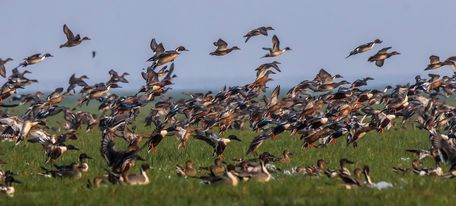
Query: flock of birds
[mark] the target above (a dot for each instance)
(320, 111)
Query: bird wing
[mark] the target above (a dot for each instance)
(384, 50)
(160, 49)
(2, 70)
(68, 32)
(433, 59)
(220, 44)
(153, 44)
(446, 151)
(275, 43)
(208, 137)
(263, 31)
(379, 63)
(275, 95)
(452, 58)
(323, 76)
(257, 141)
(35, 56)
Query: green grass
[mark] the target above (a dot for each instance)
(380, 153)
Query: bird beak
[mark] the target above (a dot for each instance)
(140, 158)
(17, 181)
(350, 162)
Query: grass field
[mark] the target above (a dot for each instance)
(380, 153)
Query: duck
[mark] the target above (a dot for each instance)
(378, 185)
(53, 152)
(360, 82)
(262, 176)
(217, 168)
(34, 59)
(350, 181)
(343, 163)
(82, 164)
(217, 143)
(56, 96)
(140, 178)
(119, 161)
(421, 171)
(222, 48)
(257, 142)
(162, 57)
(71, 39)
(330, 86)
(187, 171)
(71, 171)
(381, 56)
(8, 188)
(258, 31)
(264, 67)
(2, 66)
(286, 157)
(157, 136)
(435, 63)
(312, 170)
(364, 47)
(275, 50)
(76, 81)
(421, 153)
(229, 177)
(324, 77)
(445, 150)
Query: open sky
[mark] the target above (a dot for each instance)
(321, 34)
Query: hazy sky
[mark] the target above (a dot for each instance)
(321, 34)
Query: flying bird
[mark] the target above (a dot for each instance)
(72, 40)
(256, 32)
(364, 48)
(222, 48)
(381, 56)
(275, 50)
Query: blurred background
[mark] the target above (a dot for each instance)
(321, 34)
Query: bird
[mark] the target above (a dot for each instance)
(82, 165)
(324, 77)
(364, 47)
(421, 153)
(217, 143)
(435, 63)
(258, 31)
(187, 171)
(8, 188)
(161, 56)
(72, 171)
(222, 48)
(34, 59)
(381, 56)
(72, 40)
(76, 81)
(275, 50)
(228, 178)
(140, 178)
(257, 142)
